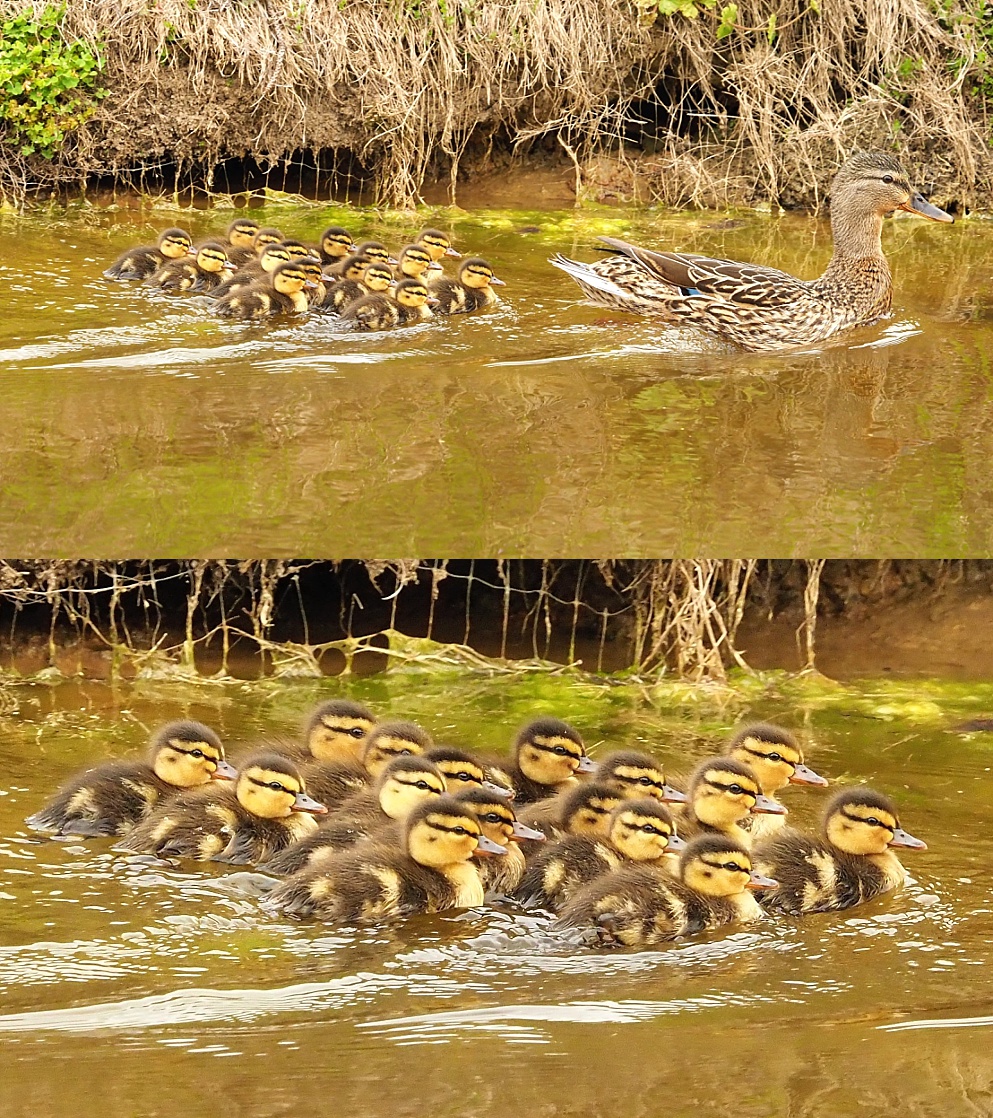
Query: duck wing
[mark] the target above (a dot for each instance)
(749, 284)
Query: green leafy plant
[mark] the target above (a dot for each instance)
(48, 85)
(689, 8)
(729, 18)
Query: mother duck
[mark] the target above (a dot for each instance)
(762, 308)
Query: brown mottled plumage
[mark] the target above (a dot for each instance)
(137, 263)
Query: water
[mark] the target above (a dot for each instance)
(141, 425)
(133, 988)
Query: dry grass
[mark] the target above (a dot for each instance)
(407, 86)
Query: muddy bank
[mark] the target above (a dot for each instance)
(384, 97)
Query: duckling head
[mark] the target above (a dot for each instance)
(393, 739)
(586, 809)
(861, 821)
(876, 181)
(291, 278)
(414, 293)
(719, 867)
(338, 728)
(642, 830)
(174, 244)
(437, 243)
(460, 769)
(266, 236)
(241, 232)
(271, 256)
(313, 269)
(188, 754)
(443, 832)
(496, 817)
(414, 260)
(476, 273)
(723, 791)
(774, 756)
(376, 276)
(213, 257)
(375, 250)
(636, 774)
(548, 751)
(271, 787)
(296, 249)
(407, 781)
(336, 242)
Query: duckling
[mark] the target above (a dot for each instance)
(257, 268)
(500, 825)
(461, 770)
(437, 243)
(430, 872)
(411, 303)
(265, 810)
(852, 862)
(412, 262)
(335, 244)
(471, 291)
(112, 798)
(372, 279)
(581, 809)
(722, 792)
(546, 756)
(336, 731)
(775, 757)
(332, 782)
(401, 786)
(297, 249)
(283, 293)
(639, 830)
(137, 263)
(371, 250)
(316, 286)
(199, 273)
(239, 240)
(636, 907)
(265, 237)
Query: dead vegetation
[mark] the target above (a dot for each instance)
(414, 90)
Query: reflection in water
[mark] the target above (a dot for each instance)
(542, 427)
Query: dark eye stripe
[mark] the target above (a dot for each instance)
(552, 748)
(282, 787)
(727, 788)
(870, 822)
(768, 756)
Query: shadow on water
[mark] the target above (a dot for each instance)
(160, 989)
(544, 426)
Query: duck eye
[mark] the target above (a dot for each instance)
(560, 750)
(873, 822)
(645, 780)
(423, 785)
(736, 789)
(461, 831)
(276, 786)
(492, 818)
(356, 732)
(733, 867)
(463, 776)
(198, 753)
(775, 757)
(888, 179)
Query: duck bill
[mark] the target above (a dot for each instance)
(224, 771)
(498, 790)
(917, 204)
(760, 881)
(672, 795)
(804, 775)
(488, 848)
(908, 842)
(522, 831)
(305, 803)
(675, 844)
(586, 765)
(497, 282)
(764, 805)
(453, 252)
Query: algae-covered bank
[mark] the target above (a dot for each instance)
(700, 100)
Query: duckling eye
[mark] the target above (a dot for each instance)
(276, 786)
(736, 789)
(733, 867)
(560, 750)
(492, 817)
(460, 831)
(462, 776)
(888, 179)
(356, 732)
(423, 785)
(198, 753)
(775, 756)
(873, 822)
(645, 780)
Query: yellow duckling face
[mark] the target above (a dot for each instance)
(296, 249)
(586, 809)
(478, 274)
(719, 867)
(438, 244)
(860, 821)
(374, 250)
(495, 815)
(265, 237)
(636, 775)
(444, 832)
(271, 787)
(723, 791)
(188, 755)
(548, 751)
(414, 260)
(458, 768)
(642, 830)
(337, 730)
(407, 782)
(377, 277)
(272, 256)
(774, 756)
(213, 258)
(174, 244)
(291, 278)
(413, 293)
(390, 740)
(241, 232)
(336, 242)
(354, 267)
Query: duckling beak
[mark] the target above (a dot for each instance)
(497, 282)
(766, 806)
(488, 847)
(229, 267)
(804, 775)
(672, 795)
(305, 803)
(759, 881)
(452, 252)
(310, 285)
(901, 838)
(675, 844)
(586, 765)
(498, 790)
(192, 250)
(431, 302)
(917, 204)
(522, 831)
(224, 771)
(392, 260)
